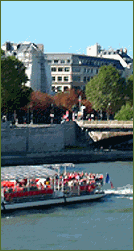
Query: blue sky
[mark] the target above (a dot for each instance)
(69, 26)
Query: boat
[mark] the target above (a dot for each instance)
(32, 186)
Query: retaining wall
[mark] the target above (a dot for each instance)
(37, 139)
(13, 140)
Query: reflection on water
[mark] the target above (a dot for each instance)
(124, 210)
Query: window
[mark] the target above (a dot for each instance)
(59, 88)
(67, 69)
(84, 70)
(53, 78)
(84, 79)
(96, 70)
(76, 60)
(60, 69)
(49, 61)
(65, 89)
(62, 61)
(59, 78)
(85, 61)
(83, 88)
(66, 78)
(88, 70)
(53, 69)
(76, 78)
(75, 69)
(92, 70)
(56, 61)
(68, 61)
(53, 88)
(88, 78)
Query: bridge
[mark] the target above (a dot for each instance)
(113, 126)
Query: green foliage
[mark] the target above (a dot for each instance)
(129, 89)
(13, 77)
(2, 53)
(24, 97)
(106, 89)
(126, 113)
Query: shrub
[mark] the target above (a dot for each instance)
(125, 113)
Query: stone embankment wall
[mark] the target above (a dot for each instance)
(40, 144)
(13, 140)
(37, 139)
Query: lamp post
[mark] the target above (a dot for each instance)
(79, 102)
(108, 110)
(52, 113)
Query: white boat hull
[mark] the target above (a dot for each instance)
(53, 201)
(85, 197)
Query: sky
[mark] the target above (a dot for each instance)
(69, 26)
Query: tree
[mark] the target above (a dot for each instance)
(66, 100)
(40, 101)
(126, 113)
(2, 53)
(106, 89)
(129, 90)
(25, 96)
(13, 78)
(41, 104)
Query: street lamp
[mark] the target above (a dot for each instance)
(108, 110)
(52, 113)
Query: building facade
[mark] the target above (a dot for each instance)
(59, 72)
(74, 70)
(37, 68)
(119, 54)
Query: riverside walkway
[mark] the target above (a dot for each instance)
(113, 126)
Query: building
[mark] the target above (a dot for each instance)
(37, 68)
(74, 71)
(59, 72)
(119, 54)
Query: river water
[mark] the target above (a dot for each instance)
(106, 224)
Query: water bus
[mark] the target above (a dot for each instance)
(32, 186)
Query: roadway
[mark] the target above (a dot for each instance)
(113, 126)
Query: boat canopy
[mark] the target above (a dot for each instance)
(40, 171)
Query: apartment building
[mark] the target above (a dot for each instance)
(59, 72)
(74, 71)
(118, 54)
(37, 68)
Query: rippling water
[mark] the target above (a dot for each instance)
(103, 225)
